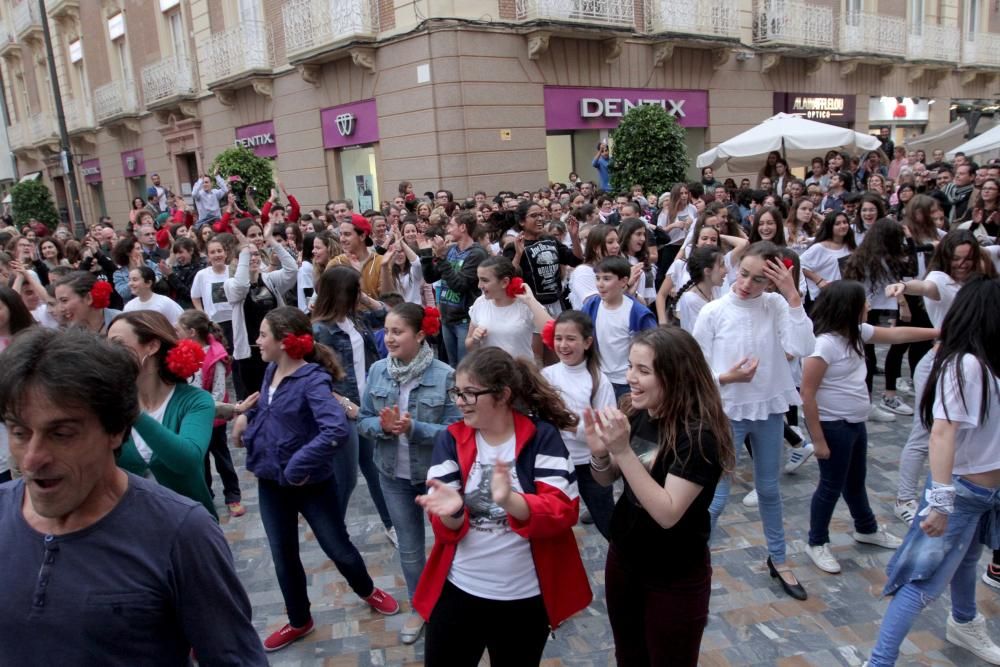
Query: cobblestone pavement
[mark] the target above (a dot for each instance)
(752, 622)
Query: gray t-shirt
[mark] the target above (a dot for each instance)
(144, 585)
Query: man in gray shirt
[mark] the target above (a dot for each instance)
(98, 566)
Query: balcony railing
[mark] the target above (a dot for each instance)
(79, 116)
(170, 78)
(115, 100)
(43, 128)
(981, 49)
(240, 50)
(26, 17)
(861, 32)
(792, 23)
(616, 13)
(932, 42)
(708, 18)
(17, 136)
(313, 26)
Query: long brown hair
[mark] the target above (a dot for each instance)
(149, 325)
(530, 393)
(695, 404)
(290, 320)
(337, 293)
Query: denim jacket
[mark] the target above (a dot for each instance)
(331, 335)
(430, 407)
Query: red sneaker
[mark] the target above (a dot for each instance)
(286, 635)
(382, 602)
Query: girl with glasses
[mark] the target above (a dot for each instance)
(503, 500)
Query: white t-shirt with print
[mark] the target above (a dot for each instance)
(977, 443)
(492, 561)
(209, 286)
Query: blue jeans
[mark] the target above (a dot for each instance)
(765, 438)
(358, 452)
(408, 518)
(958, 551)
(453, 337)
(280, 507)
(843, 474)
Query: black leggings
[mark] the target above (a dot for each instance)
(462, 626)
(893, 359)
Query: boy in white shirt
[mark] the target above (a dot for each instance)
(617, 317)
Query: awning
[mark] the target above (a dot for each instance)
(986, 142)
(943, 139)
(33, 176)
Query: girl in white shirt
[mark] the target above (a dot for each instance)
(402, 274)
(707, 271)
(602, 241)
(507, 314)
(208, 291)
(835, 404)
(745, 336)
(633, 247)
(140, 281)
(821, 260)
(578, 378)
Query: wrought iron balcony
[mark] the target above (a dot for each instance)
(236, 52)
(608, 13)
(315, 27)
(863, 33)
(115, 100)
(27, 23)
(933, 42)
(702, 18)
(790, 23)
(79, 116)
(981, 49)
(168, 80)
(43, 129)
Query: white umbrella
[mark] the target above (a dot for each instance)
(984, 143)
(797, 139)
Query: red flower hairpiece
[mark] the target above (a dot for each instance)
(431, 323)
(515, 287)
(185, 358)
(297, 347)
(100, 295)
(788, 263)
(549, 334)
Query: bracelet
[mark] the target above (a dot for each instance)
(596, 465)
(461, 512)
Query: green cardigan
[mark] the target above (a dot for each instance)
(179, 445)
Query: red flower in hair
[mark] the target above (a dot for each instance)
(515, 287)
(100, 295)
(788, 263)
(431, 323)
(549, 334)
(297, 347)
(185, 359)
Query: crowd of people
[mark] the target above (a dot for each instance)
(487, 364)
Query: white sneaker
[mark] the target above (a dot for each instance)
(823, 559)
(879, 538)
(972, 636)
(893, 404)
(391, 534)
(750, 499)
(903, 387)
(412, 628)
(797, 456)
(877, 414)
(906, 510)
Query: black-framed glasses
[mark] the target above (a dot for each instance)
(468, 396)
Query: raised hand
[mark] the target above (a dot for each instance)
(500, 484)
(441, 499)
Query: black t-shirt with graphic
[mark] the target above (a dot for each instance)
(541, 266)
(666, 554)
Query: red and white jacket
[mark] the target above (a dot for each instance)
(547, 476)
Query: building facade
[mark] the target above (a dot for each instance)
(349, 97)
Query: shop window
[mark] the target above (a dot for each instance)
(359, 177)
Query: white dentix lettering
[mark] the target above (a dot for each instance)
(613, 107)
(616, 107)
(264, 139)
(591, 107)
(675, 108)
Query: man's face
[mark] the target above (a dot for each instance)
(378, 228)
(943, 178)
(147, 236)
(108, 236)
(341, 213)
(586, 189)
(745, 183)
(938, 155)
(394, 216)
(963, 175)
(399, 202)
(981, 174)
(64, 455)
(721, 195)
(350, 241)
(441, 198)
(480, 198)
(884, 132)
(156, 179)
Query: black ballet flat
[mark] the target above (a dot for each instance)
(793, 590)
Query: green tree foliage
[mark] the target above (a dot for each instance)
(32, 199)
(255, 171)
(649, 148)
